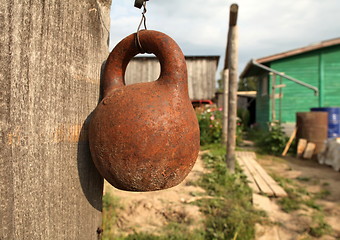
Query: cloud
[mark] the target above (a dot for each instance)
(265, 27)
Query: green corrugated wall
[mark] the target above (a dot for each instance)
(320, 68)
(331, 77)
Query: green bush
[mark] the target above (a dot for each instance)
(243, 116)
(272, 141)
(210, 122)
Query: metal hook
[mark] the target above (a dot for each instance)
(140, 24)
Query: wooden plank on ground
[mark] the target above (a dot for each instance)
(261, 180)
(278, 190)
(264, 187)
(309, 150)
(302, 144)
(284, 153)
(251, 180)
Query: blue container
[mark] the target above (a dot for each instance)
(333, 120)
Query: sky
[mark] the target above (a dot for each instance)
(200, 27)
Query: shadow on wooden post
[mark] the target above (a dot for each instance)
(90, 180)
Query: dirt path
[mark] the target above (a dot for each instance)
(314, 178)
(150, 211)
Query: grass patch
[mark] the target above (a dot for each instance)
(173, 231)
(228, 210)
(319, 227)
(298, 197)
(322, 194)
(303, 179)
(215, 149)
(110, 206)
(325, 184)
(230, 214)
(289, 204)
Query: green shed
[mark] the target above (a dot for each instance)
(295, 81)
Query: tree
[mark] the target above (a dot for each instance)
(247, 84)
(51, 55)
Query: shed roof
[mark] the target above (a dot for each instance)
(251, 70)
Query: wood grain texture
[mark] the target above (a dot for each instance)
(201, 74)
(258, 178)
(51, 55)
(225, 104)
(232, 103)
(250, 178)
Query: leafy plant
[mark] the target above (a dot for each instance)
(247, 84)
(272, 141)
(210, 123)
(243, 116)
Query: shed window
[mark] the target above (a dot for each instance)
(264, 85)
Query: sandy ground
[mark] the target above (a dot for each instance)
(150, 211)
(293, 225)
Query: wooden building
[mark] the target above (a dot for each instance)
(295, 81)
(201, 74)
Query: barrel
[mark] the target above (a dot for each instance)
(333, 120)
(312, 126)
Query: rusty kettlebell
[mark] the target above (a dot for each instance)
(145, 136)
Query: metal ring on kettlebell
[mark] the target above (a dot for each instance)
(169, 54)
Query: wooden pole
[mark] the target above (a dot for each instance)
(232, 22)
(51, 54)
(225, 104)
(225, 75)
(284, 153)
(273, 98)
(233, 79)
(281, 96)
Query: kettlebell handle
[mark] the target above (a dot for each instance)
(169, 54)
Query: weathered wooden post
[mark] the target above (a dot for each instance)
(51, 55)
(233, 77)
(225, 73)
(225, 78)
